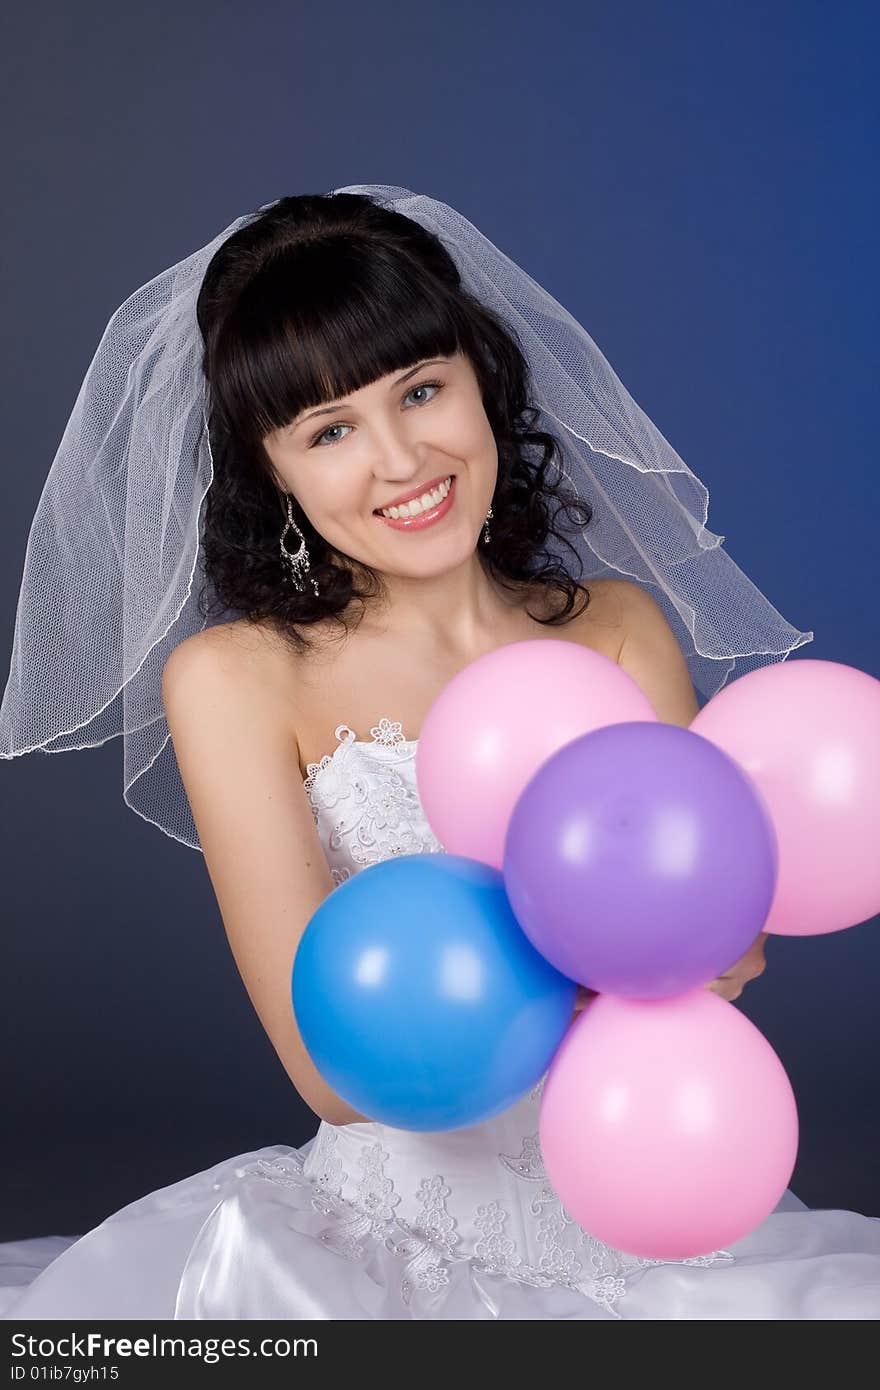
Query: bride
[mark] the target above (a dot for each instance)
(393, 412)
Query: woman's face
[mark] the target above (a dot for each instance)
(406, 431)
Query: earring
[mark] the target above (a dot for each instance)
(298, 562)
(486, 524)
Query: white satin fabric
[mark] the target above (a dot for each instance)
(365, 1221)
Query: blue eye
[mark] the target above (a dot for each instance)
(422, 386)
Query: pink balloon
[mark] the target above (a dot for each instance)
(494, 724)
(668, 1127)
(808, 734)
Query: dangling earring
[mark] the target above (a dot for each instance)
(486, 524)
(298, 562)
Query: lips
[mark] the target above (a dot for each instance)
(423, 520)
(416, 492)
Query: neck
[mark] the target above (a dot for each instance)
(458, 611)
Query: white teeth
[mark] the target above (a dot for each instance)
(419, 504)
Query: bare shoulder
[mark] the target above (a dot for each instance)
(623, 600)
(244, 658)
(237, 644)
(239, 648)
(635, 608)
(649, 651)
(604, 622)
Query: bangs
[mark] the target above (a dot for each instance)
(327, 318)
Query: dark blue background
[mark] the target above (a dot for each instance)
(694, 182)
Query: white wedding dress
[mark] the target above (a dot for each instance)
(365, 1221)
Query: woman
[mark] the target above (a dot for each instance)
(356, 349)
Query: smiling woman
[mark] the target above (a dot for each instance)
(394, 438)
(323, 304)
(412, 380)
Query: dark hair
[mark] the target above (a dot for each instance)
(320, 295)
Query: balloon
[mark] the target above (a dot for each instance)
(668, 1128)
(418, 997)
(497, 720)
(808, 734)
(640, 860)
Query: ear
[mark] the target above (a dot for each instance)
(651, 655)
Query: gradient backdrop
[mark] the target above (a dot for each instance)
(693, 181)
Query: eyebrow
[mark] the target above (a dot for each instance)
(346, 405)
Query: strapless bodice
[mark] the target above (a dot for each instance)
(364, 800)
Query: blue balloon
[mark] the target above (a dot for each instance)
(420, 999)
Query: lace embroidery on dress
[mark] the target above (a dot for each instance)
(431, 1243)
(376, 812)
(609, 1268)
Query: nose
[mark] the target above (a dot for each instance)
(399, 456)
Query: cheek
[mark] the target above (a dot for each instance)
(288, 475)
(469, 436)
(335, 500)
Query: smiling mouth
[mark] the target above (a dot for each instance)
(433, 515)
(381, 511)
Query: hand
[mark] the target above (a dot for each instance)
(731, 984)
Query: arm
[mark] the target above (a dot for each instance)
(238, 759)
(650, 654)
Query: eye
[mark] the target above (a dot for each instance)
(437, 386)
(425, 386)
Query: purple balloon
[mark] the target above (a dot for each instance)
(641, 860)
